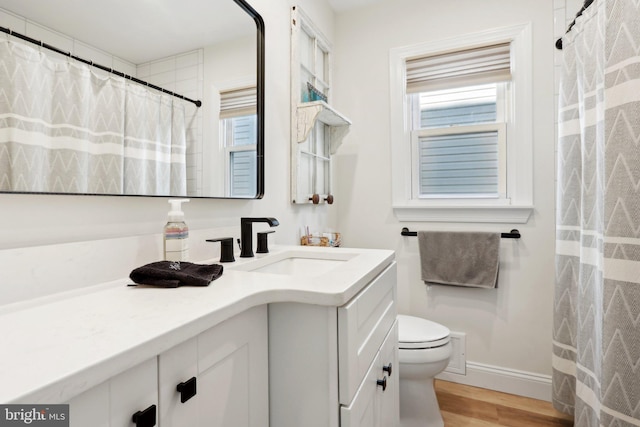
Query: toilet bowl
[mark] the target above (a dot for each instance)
(424, 352)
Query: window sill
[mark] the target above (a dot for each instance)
(508, 214)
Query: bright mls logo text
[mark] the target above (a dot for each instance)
(38, 415)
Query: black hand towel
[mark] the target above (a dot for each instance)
(171, 274)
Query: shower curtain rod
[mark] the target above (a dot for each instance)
(40, 43)
(584, 7)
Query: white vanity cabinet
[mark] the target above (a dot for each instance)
(327, 364)
(228, 364)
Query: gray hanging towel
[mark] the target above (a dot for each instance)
(459, 258)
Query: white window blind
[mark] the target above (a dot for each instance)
(238, 102)
(486, 64)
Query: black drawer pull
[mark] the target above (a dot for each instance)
(382, 383)
(387, 369)
(146, 418)
(187, 389)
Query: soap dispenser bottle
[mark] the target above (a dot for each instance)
(176, 233)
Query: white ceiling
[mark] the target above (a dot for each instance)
(143, 30)
(139, 30)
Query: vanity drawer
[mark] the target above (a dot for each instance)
(363, 324)
(375, 405)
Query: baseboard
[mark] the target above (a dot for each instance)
(506, 380)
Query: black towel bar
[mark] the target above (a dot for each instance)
(513, 234)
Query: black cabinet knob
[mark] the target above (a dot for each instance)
(187, 389)
(382, 383)
(387, 369)
(146, 418)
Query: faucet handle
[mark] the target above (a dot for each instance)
(263, 247)
(226, 248)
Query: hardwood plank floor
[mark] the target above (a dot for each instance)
(466, 406)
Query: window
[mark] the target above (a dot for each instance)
(457, 154)
(459, 142)
(314, 61)
(238, 126)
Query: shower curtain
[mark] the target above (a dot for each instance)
(596, 336)
(66, 129)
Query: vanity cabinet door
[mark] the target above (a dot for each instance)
(90, 408)
(233, 372)
(363, 324)
(389, 399)
(178, 368)
(134, 391)
(376, 402)
(115, 401)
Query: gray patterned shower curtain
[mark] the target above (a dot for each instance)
(596, 336)
(66, 129)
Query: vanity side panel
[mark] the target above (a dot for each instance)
(303, 365)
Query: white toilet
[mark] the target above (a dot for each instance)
(424, 352)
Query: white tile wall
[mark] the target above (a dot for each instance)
(34, 30)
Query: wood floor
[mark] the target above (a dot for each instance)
(465, 406)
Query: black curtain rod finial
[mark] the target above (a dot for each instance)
(584, 7)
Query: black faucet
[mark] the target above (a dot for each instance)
(246, 234)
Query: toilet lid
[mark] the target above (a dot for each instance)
(415, 332)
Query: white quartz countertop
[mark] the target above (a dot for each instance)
(56, 347)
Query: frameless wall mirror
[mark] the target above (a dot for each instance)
(131, 97)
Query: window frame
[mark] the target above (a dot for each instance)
(517, 206)
(499, 126)
(229, 147)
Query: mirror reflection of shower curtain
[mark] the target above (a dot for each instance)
(154, 143)
(596, 330)
(63, 129)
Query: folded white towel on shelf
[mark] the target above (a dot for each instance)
(459, 258)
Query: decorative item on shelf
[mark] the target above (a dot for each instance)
(321, 239)
(315, 94)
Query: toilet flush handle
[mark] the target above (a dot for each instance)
(383, 383)
(387, 369)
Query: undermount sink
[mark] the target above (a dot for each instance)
(300, 266)
(297, 263)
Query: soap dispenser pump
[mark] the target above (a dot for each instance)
(176, 233)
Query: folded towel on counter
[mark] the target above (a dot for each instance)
(459, 258)
(171, 274)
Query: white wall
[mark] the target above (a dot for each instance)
(35, 220)
(509, 328)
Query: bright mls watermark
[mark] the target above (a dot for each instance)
(34, 415)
